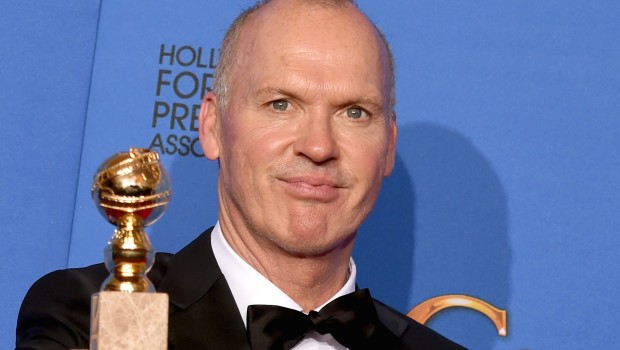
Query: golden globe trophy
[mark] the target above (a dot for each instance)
(131, 190)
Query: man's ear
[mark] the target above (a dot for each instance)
(209, 130)
(391, 151)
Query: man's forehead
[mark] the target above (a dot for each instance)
(281, 34)
(304, 50)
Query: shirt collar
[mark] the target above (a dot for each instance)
(249, 287)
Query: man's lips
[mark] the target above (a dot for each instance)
(320, 189)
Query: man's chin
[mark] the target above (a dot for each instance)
(314, 245)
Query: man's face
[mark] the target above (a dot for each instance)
(306, 137)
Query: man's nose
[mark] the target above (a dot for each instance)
(316, 140)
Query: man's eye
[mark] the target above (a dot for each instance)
(280, 105)
(355, 112)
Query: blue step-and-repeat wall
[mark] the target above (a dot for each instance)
(506, 187)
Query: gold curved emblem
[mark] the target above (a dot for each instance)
(426, 309)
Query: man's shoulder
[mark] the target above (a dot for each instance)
(57, 305)
(90, 278)
(413, 333)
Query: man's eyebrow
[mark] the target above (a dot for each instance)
(367, 101)
(270, 90)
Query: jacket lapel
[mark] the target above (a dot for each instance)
(203, 313)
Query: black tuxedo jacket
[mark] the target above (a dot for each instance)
(55, 313)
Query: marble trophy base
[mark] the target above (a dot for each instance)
(128, 321)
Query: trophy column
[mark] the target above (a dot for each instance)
(131, 190)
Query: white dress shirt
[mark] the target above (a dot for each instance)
(249, 287)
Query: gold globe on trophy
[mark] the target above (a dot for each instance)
(131, 190)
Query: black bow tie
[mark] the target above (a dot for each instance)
(351, 319)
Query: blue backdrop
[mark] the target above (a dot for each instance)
(506, 183)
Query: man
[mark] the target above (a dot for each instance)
(301, 121)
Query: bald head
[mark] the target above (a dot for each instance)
(233, 55)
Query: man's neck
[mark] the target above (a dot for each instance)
(309, 280)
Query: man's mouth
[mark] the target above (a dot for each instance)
(314, 188)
